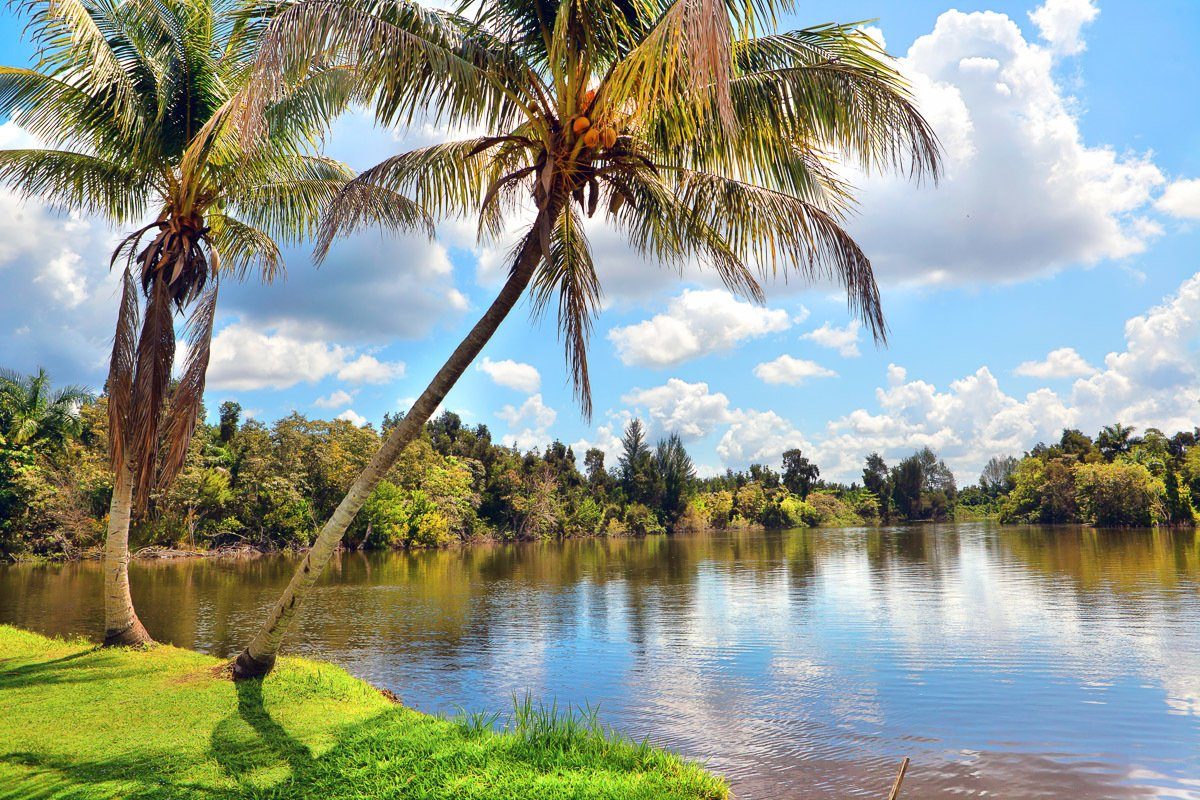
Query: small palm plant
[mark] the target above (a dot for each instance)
(134, 101)
(33, 413)
(689, 125)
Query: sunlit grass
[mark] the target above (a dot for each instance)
(78, 722)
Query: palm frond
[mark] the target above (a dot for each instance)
(243, 248)
(187, 394)
(151, 383)
(569, 273)
(784, 235)
(76, 181)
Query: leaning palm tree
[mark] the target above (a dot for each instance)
(33, 413)
(134, 101)
(690, 125)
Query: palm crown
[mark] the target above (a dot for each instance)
(32, 412)
(132, 99)
(698, 134)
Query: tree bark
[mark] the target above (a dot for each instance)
(259, 657)
(122, 628)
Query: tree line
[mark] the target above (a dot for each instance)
(249, 484)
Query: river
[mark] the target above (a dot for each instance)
(1005, 662)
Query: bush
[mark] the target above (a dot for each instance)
(397, 517)
(641, 521)
(831, 512)
(1119, 495)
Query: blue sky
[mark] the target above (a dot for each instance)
(1049, 280)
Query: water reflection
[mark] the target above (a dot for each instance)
(1019, 663)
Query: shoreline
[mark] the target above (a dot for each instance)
(88, 722)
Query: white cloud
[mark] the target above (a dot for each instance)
(677, 406)
(512, 374)
(1181, 199)
(696, 323)
(65, 279)
(368, 369)
(1154, 381)
(1023, 193)
(844, 340)
(353, 416)
(246, 358)
(758, 437)
(528, 424)
(1064, 362)
(792, 371)
(1060, 23)
(339, 398)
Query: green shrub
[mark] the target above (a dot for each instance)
(1114, 495)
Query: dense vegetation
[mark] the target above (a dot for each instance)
(310, 731)
(246, 483)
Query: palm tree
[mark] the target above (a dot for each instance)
(1114, 440)
(133, 99)
(32, 413)
(690, 125)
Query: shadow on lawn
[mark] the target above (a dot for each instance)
(397, 753)
(252, 739)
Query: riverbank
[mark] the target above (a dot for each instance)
(164, 723)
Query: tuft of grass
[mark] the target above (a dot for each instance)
(82, 723)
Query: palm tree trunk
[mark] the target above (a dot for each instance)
(259, 657)
(121, 624)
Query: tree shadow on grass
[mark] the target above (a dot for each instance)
(55, 670)
(132, 776)
(252, 739)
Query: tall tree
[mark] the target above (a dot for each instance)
(636, 463)
(133, 100)
(799, 474)
(1114, 440)
(697, 132)
(676, 474)
(32, 412)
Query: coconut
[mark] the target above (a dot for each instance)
(591, 138)
(609, 137)
(580, 125)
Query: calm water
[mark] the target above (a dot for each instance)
(1012, 663)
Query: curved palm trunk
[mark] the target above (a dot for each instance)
(121, 624)
(259, 657)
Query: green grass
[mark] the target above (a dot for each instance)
(79, 722)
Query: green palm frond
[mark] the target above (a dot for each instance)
(703, 134)
(243, 248)
(77, 182)
(144, 101)
(568, 273)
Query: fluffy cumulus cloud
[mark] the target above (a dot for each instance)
(791, 371)
(350, 415)
(1181, 199)
(245, 358)
(334, 399)
(758, 437)
(1153, 381)
(1023, 193)
(696, 323)
(529, 423)
(1060, 23)
(843, 340)
(512, 374)
(1064, 362)
(688, 409)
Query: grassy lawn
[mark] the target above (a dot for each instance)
(80, 722)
